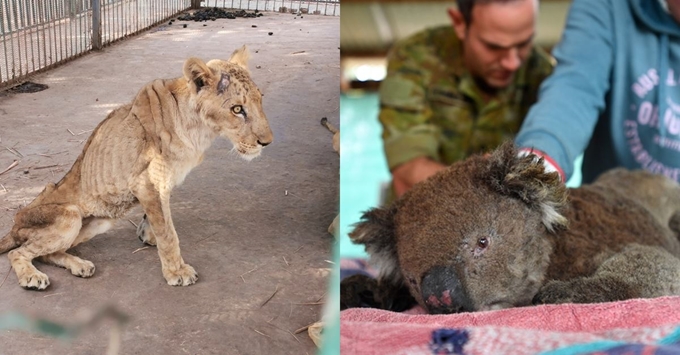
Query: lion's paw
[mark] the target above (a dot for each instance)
(34, 280)
(185, 276)
(144, 232)
(84, 268)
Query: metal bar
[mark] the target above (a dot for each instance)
(138, 14)
(53, 36)
(23, 33)
(57, 32)
(62, 30)
(69, 28)
(82, 14)
(32, 12)
(122, 21)
(96, 25)
(16, 25)
(41, 29)
(109, 21)
(54, 24)
(115, 19)
(118, 20)
(81, 47)
(20, 20)
(106, 24)
(13, 28)
(2, 31)
(126, 18)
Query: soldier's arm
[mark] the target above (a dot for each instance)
(406, 175)
(410, 139)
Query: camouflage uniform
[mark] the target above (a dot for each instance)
(431, 106)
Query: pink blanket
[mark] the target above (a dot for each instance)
(639, 326)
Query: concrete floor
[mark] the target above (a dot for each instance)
(240, 230)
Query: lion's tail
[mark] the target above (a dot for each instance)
(8, 242)
(328, 125)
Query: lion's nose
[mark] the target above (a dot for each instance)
(264, 144)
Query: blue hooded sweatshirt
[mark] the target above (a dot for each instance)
(615, 93)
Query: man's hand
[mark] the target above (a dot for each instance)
(408, 174)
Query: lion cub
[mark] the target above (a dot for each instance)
(137, 155)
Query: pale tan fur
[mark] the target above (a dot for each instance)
(336, 134)
(333, 228)
(138, 154)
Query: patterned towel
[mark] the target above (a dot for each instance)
(638, 326)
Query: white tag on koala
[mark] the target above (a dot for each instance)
(548, 162)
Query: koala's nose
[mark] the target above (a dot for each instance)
(264, 144)
(443, 292)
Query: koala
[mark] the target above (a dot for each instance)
(497, 231)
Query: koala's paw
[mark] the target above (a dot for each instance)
(555, 292)
(358, 291)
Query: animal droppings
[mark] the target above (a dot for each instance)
(215, 13)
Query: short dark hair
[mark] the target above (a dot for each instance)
(465, 7)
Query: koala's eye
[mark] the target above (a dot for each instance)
(237, 109)
(482, 243)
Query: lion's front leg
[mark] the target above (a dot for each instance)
(156, 205)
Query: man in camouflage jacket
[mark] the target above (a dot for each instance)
(456, 90)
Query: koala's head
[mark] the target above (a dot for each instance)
(473, 237)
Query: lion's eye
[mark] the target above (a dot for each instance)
(482, 243)
(237, 109)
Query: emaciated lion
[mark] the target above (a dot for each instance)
(137, 155)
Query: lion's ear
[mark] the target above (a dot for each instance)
(376, 232)
(240, 57)
(198, 73)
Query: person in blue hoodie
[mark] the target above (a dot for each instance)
(614, 95)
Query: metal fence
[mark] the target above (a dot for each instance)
(320, 7)
(38, 34)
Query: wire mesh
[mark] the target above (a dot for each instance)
(121, 18)
(37, 34)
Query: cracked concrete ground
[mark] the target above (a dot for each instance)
(251, 229)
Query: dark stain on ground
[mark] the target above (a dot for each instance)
(27, 87)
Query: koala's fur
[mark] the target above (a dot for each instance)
(497, 231)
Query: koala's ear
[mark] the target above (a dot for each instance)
(525, 178)
(376, 232)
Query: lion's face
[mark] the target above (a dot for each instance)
(229, 102)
